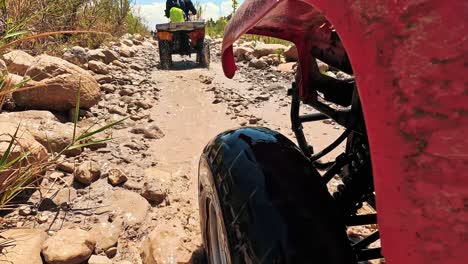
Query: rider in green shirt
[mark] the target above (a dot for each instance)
(178, 10)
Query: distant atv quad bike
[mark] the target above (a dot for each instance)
(182, 38)
(264, 199)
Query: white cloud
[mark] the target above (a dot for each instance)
(211, 10)
(153, 13)
(226, 8)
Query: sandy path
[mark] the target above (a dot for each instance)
(187, 117)
(189, 120)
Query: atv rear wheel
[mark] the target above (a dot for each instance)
(261, 201)
(165, 54)
(203, 54)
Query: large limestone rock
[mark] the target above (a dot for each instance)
(55, 136)
(120, 64)
(110, 55)
(57, 82)
(288, 67)
(161, 246)
(45, 128)
(131, 205)
(26, 247)
(14, 79)
(18, 61)
(96, 54)
(95, 259)
(127, 42)
(30, 116)
(126, 51)
(69, 246)
(291, 54)
(123, 262)
(98, 67)
(3, 66)
(23, 144)
(263, 49)
(107, 234)
(76, 55)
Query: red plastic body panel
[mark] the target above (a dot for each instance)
(410, 62)
(162, 35)
(195, 36)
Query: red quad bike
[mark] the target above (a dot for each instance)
(262, 198)
(182, 38)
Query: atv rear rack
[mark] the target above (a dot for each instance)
(182, 26)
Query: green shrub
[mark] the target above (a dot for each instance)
(116, 17)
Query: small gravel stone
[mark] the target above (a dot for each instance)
(56, 175)
(87, 172)
(116, 177)
(42, 218)
(66, 166)
(253, 121)
(24, 210)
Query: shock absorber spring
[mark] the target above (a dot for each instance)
(357, 182)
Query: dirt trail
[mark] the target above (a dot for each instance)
(190, 106)
(188, 115)
(188, 118)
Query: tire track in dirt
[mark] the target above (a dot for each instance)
(189, 120)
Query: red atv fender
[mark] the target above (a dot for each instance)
(409, 60)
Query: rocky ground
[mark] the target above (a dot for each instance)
(132, 199)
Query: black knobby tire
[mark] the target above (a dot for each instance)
(270, 202)
(165, 54)
(203, 54)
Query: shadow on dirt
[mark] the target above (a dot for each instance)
(184, 64)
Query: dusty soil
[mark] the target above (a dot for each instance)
(190, 115)
(190, 106)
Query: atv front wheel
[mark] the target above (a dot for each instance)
(203, 54)
(165, 54)
(262, 201)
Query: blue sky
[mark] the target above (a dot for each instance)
(153, 10)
